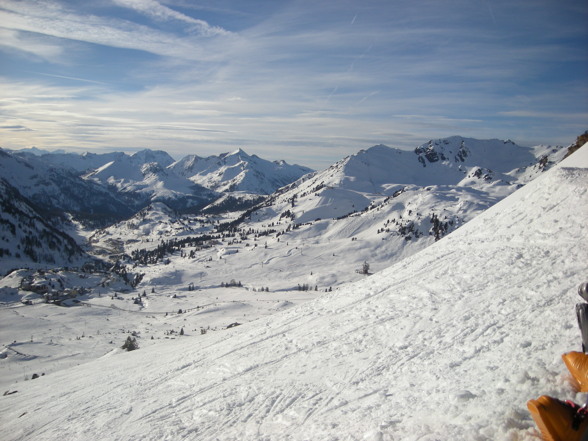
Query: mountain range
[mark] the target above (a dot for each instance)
(460, 317)
(410, 198)
(153, 175)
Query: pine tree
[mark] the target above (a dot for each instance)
(130, 344)
(365, 269)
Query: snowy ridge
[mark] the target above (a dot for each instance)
(494, 154)
(493, 167)
(238, 171)
(126, 169)
(78, 162)
(391, 204)
(449, 343)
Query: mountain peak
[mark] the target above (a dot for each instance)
(239, 151)
(147, 155)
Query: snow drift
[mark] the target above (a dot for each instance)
(448, 344)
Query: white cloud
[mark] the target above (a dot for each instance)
(158, 11)
(30, 44)
(55, 21)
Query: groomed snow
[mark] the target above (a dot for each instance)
(448, 344)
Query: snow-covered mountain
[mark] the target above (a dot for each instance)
(143, 177)
(226, 182)
(493, 167)
(27, 239)
(56, 190)
(388, 203)
(449, 343)
(127, 169)
(400, 201)
(87, 161)
(148, 182)
(238, 172)
(79, 163)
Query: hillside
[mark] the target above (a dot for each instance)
(450, 343)
(57, 191)
(27, 239)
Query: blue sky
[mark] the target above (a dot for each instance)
(305, 81)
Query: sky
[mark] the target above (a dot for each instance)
(307, 81)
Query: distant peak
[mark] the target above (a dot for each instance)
(379, 147)
(148, 155)
(239, 151)
(146, 152)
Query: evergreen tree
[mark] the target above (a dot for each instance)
(365, 269)
(130, 344)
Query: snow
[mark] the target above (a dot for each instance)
(151, 179)
(371, 175)
(238, 171)
(448, 343)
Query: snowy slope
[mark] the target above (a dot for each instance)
(128, 167)
(150, 225)
(450, 343)
(382, 204)
(238, 171)
(27, 239)
(88, 161)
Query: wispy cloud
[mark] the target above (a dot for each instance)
(83, 80)
(30, 44)
(53, 20)
(15, 128)
(158, 11)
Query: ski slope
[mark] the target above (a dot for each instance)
(448, 344)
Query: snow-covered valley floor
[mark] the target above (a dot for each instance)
(447, 344)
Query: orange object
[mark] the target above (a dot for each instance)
(555, 419)
(577, 363)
